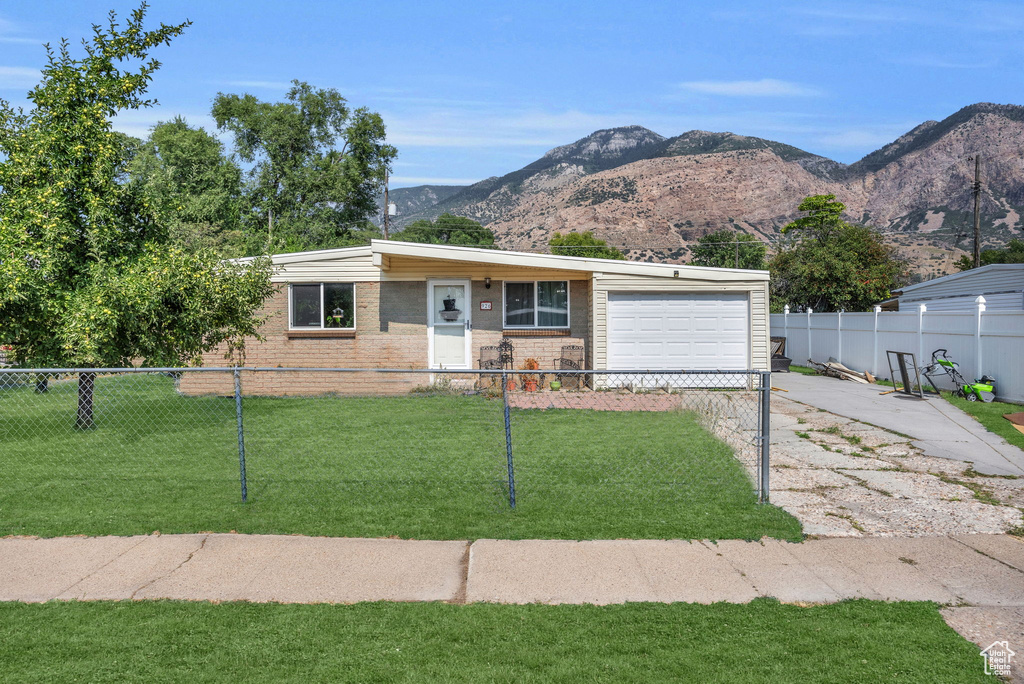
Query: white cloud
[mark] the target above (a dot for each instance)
(766, 87)
(932, 62)
(856, 139)
(263, 85)
(431, 180)
(402, 137)
(988, 17)
(12, 78)
(9, 33)
(139, 122)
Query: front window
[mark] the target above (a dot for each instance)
(321, 306)
(539, 304)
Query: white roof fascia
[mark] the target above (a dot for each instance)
(317, 255)
(556, 261)
(959, 276)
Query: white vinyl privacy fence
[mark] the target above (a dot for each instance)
(982, 342)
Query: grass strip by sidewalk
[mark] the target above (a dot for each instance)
(429, 467)
(764, 641)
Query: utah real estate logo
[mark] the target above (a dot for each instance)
(997, 658)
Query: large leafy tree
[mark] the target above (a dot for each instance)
(729, 249)
(833, 265)
(446, 230)
(192, 187)
(317, 166)
(87, 275)
(1013, 253)
(582, 245)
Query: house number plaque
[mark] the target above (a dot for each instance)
(485, 306)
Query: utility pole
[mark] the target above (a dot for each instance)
(977, 210)
(387, 205)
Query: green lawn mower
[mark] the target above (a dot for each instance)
(971, 391)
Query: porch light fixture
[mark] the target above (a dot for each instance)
(487, 283)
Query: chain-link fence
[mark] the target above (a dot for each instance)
(415, 454)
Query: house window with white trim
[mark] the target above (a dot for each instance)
(537, 304)
(322, 306)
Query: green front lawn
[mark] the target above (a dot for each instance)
(855, 641)
(427, 467)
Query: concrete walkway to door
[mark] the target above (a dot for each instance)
(937, 427)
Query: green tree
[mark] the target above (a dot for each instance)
(87, 276)
(730, 249)
(833, 265)
(447, 230)
(193, 188)
(824, 215)
(583, 245)
(1013, 253)
(317, 166)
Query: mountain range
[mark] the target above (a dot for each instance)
(653, 196)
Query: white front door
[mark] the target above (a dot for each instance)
(449, 323)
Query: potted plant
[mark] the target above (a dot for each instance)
(530, 381)
(449, 313)
(555, 385)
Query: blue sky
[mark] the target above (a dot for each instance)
(480, 89)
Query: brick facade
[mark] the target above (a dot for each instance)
(391, 332)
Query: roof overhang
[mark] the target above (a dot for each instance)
(384, 250)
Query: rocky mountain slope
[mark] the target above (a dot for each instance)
(410, 201)
(653, 195)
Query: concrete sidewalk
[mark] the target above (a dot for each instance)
(937, 427)
(978, 570)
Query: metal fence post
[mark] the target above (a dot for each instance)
(241, 434)
(508, 443)
(765, 436)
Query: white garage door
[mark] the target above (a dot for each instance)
(691, 331)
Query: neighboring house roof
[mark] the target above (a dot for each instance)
(381, 252)
(991, 279)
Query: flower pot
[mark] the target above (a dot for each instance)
(530, 385)
(555, 385)
(510, 385)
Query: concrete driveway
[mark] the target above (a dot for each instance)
(936, 427)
